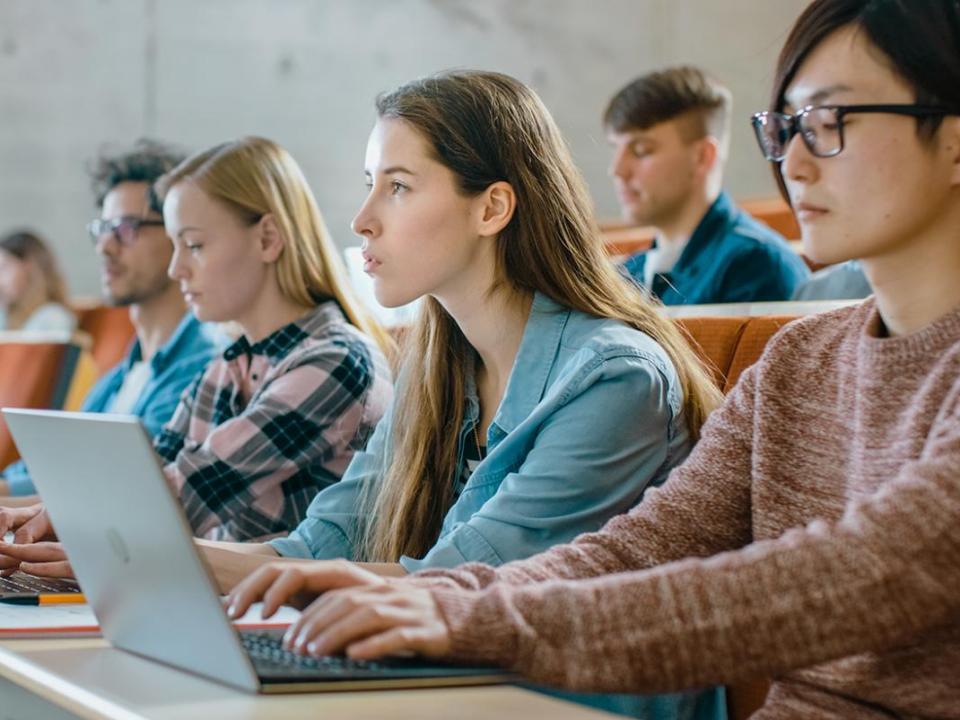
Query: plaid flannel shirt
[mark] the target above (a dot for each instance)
(269, 425)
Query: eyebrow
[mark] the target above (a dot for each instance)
(187, 229)
(820, 95)
(632, 136)
(392, 170)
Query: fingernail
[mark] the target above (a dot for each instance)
(313, 648)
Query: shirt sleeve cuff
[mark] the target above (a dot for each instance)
(463, 545)
(478, 631)
(316, 540)
(291, 546)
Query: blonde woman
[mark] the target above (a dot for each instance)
(33, 293)
(280, 414)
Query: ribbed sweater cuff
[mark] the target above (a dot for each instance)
(478, 632)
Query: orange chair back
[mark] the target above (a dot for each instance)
(111, 331)
(715, 340)
(774, 212)
(32, 375)
(751, 344)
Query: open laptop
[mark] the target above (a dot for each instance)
(133, 553)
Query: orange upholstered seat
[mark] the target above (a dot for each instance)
(33, 375)
(751, 343)
(715, 339)
(111, 331)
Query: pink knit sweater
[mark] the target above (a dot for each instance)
(812, 536)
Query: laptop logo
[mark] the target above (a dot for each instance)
(118, 546)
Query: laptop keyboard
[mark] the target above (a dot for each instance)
(22, 584)
(273, 662)
(267, 653)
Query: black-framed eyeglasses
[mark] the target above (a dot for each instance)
(821, 126)
(123, 229)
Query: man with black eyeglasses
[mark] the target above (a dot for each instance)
(171, 347)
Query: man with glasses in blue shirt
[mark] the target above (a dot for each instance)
(670, 132)
(171, 346)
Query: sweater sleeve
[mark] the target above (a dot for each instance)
(877, 578)
(703, 508)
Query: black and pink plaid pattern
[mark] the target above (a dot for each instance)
(270, 424)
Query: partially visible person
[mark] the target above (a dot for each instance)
(33, 294)
(171, 346)
(670, 132)
(813, 535)
(844, 281)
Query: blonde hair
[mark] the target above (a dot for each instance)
(254, 177)
(487, 127)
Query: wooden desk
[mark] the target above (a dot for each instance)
(89, 679)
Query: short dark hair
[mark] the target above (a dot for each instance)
(920, 39)
(146, 162)
(668, 94)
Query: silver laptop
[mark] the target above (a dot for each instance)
(133, 553)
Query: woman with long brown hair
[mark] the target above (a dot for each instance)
(539, 392)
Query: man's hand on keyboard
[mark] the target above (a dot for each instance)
(34, 549)
(359, 613)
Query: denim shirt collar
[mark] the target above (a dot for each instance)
(183, 335)
(531, 369)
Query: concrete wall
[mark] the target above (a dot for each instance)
(78, 74)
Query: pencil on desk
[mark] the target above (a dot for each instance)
(51, 599)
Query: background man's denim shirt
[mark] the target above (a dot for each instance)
(590, 418)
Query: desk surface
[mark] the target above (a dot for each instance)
(93, 680)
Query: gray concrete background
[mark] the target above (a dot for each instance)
(76, 75)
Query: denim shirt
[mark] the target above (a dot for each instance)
(731, 257)
(172, 367)
(590, 418)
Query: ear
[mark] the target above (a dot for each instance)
(708, 154)
(496, 207)
(950, 132)
(271, 239)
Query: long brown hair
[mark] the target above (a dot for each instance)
(254, 177)
(487, 127)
